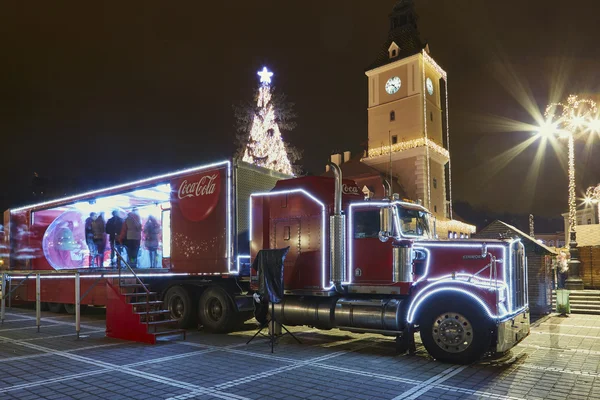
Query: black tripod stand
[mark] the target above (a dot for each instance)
(272, 337)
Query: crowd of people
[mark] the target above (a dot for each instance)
(125, 235)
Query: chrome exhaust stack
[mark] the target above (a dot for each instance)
(337, 235)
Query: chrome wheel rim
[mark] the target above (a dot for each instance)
(452, 332)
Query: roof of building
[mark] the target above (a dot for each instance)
(499, 228)
(403, 32)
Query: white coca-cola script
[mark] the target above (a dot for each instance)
(204, 186)
(349, 189)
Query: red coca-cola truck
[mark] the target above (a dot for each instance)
(200, 255)
(355, 264)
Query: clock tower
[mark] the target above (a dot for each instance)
(407, 114)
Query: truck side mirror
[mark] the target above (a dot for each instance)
(484, 250)
(386, 227)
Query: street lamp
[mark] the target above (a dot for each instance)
(592, 196)
(578, 116)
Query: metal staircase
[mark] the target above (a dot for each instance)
(581, 301)
(133, 312)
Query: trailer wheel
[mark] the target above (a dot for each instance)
(55, 307)
(70, 308)
(216, 310)
(179, 302)
(455, 332)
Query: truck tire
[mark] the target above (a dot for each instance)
(70, 308)
(455, 331)
(216, 310)
(179, 302)
(55, 307)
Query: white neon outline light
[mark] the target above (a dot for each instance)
(414, 306)
(122, 186)
(350, 230)
(228, 221)
(323, 214)
(238, 261)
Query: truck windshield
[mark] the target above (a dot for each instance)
(413, 222)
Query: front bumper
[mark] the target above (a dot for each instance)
(512, 331)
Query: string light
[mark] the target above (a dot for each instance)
(454, 226)
(574, 114)
(592, 195)
(428, 161)
(265, 147)
(407, 145)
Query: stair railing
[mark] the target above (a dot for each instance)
(121, 259)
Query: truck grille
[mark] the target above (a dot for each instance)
(518, 275)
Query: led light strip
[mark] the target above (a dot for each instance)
(238, 262)
(124, 185)
(426, 138)
(323, 238)
(85, 275)
(350, 228)
(448, 147)
(417, 302)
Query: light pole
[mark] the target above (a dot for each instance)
(577, 116)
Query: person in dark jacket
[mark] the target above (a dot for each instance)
(131, 236)
(89, 237)
(151, 238)
(98, 227)
(113, 229)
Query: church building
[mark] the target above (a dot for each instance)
(408, 132)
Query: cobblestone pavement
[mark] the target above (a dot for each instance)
(560, 360)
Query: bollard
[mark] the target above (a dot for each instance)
(77, 304)
(3, 301)
(38, 304)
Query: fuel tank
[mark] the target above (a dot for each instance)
(366, 315)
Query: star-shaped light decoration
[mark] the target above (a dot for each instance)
(265, 75)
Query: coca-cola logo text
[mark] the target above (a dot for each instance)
(197, 196)
(353, 190)
(204, 186)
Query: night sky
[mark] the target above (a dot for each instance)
(95, 94)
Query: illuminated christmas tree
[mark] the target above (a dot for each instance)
(260, 139)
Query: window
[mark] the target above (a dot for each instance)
(392, 115)
(435, 183)
(589, 221)
(286, 233)
(393, 53)
(434, 208)
(366, 224)
(449, 234)
(431, 115)
(394, 139)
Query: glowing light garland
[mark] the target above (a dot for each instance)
(428, 161)
(454, 226)
(407, 145)
(592, 195)
(323, 216)
(574, 114)
(448, 150)
(266, 147)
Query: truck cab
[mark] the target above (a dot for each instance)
(375, 266)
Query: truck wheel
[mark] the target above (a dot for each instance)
(70, 308)
(455, 332)
(216, 310)
(179, 302)
(55, 307)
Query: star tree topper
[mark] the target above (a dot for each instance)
(265, 76)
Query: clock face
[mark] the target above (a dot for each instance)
(429, 85)
(393, 85)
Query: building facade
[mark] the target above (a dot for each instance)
(408, 133)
